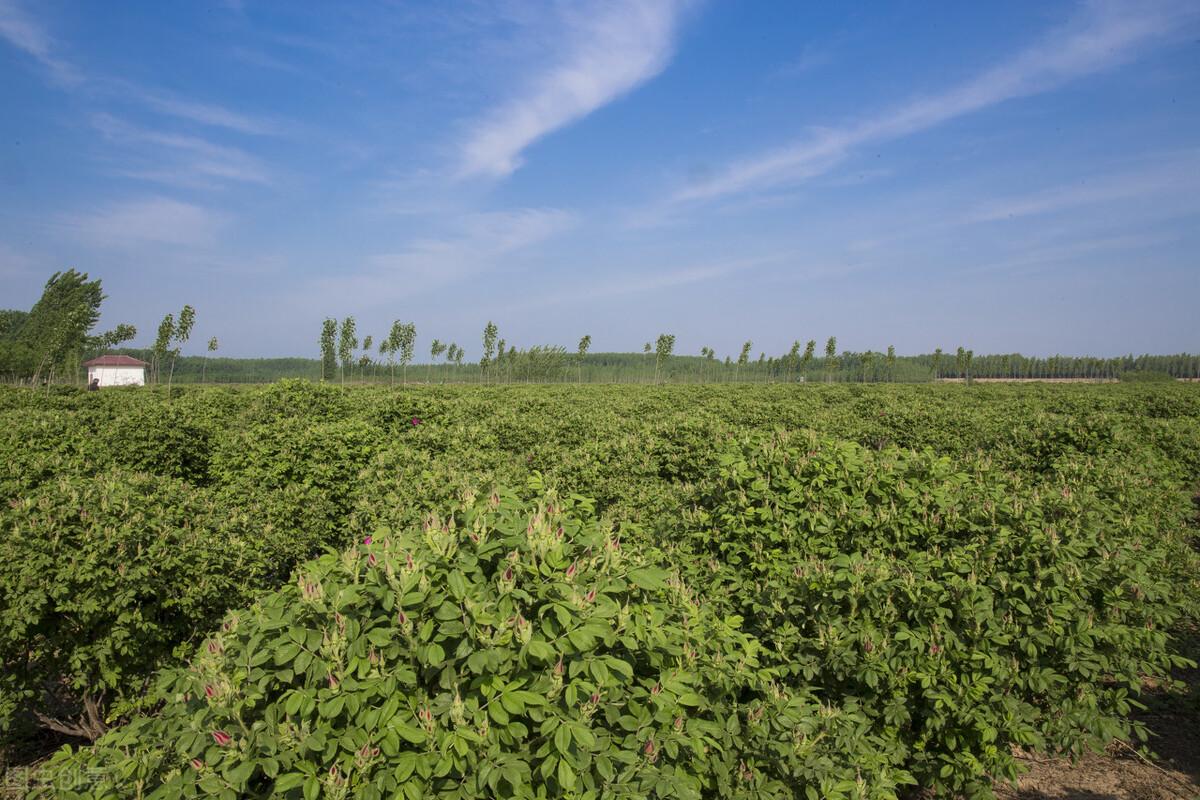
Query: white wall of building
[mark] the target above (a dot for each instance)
(118, 376)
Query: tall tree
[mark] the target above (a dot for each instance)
(54, 334)
(502, 360)
(387, 347)
(810, 350)
(347, 344)
(212, 348)
(743, 359)
(406, 341)
(162, 345)
(937, 364)
(831, 362)
(793, 359)
(960, 363)
(489, 348)
(891, 363)
(662, 351)
(329, 331)
(365, 359)
(584, 344)
(435, 350)
(646, 350)
(183, 329)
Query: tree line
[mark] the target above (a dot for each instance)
(50, 342)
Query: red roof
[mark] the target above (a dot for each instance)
(115, 361)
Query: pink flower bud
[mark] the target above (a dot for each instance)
(508, 574)
(679, 723)
(371, 559)
(367, 540)
(591, 596)
(649, 748)
(571, 570)
(221, 738)
(558, 668)
(209, 692)
(197, 764)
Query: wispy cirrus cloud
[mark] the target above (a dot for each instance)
(1102, 36)
(476, 243)
(24, 33)
(151, 220)
(613, 48)
(178, 159)
(206, 113)
(1178, 173)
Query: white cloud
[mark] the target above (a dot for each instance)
(613, 49)
(207, 114)
(153, 220)
(477, 243)
(26, 35)
(1105, 35)
(194, 161)
(1178, 173)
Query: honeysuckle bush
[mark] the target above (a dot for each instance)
(507, 649)
(967, 609)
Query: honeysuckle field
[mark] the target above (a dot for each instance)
(587, 591)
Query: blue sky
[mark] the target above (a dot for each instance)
(1001, 176)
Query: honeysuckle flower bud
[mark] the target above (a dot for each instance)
(210, 692)
(595, 698)
(333, 771)
(571, 570)
(367, 540)
(197, 764)
(508, 574)
(558, 668)
(656, 689)
(650, 750)
(591, 596)
(221, 738)
(679, 723)
(371, 559)
(333, 682)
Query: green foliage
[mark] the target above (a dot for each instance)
(934, 498)
(502, 651)
(1145, 376)
(328, 348)
(53, 337)
(968, 609)
(100, 579)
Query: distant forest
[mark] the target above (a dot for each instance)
(50, 343)
(558, 366)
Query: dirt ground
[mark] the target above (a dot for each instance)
(1121, 773)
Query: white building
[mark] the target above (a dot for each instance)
(117, 371)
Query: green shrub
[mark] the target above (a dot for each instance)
(503, 651)
(966, 609)
(100, 579)
(168, 440)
